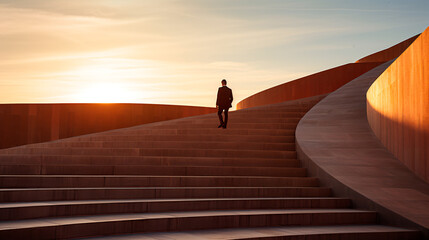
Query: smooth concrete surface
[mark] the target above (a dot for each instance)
(76, 227)
(316, 84)
(389, 53)
(337, 145)
(398, 107)
(280, 233)
(22, 124)
(29, 210)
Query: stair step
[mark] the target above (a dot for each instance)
(231, 125)
(188, 138)
(154, 152)
(8, 161)
(266, 114)
(274, 109)
(171, 144)
(339, 232)
(242, 119)
(66, 194)
(203, 131)
(65, 181)
(218, 153)
(98, 225)
(155, 170)
(28, 210)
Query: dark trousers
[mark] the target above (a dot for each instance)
(219, 113)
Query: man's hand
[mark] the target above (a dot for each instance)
(217, 106)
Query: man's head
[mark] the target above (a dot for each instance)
(223, 82)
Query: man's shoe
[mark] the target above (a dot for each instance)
(223, 126)
(220, 126)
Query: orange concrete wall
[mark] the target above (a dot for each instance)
(398, 107)
(316, 84)
(31, 123)
(389, 53)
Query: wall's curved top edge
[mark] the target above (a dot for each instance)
(315, 84)
(389, 53)
(318, 83)
(102, 104)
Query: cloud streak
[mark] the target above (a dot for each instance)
(174, 51)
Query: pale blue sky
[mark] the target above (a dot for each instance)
(177, 51)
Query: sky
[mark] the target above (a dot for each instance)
(178, 51)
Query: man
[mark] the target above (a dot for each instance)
(223, 103)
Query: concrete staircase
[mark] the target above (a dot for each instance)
(183, 178)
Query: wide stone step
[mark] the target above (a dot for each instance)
(335, 232)
(76, 227)
(69, 181)
(154, 152)
(67, 194)
(262, 113)
(171, 144)
(268, 116)
(28, 210)
(202, 131)
(232, 125)
(191, 138)
(265, 114)
(8, 162)
(241, 119)
(154, 170)
(274, 109)
(218, 153)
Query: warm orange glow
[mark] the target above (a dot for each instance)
(105, 93)
(105, 83)
(176, 52)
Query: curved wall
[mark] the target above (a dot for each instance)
(32, 123)
(335, 143)
(389, 53)
(316, 84)
(398, 107)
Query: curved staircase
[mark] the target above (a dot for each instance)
(179, 179)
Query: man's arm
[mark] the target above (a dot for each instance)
(231, 96)
(217, 99)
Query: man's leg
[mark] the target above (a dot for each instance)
(226, 117)
(219, 113)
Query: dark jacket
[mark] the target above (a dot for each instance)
(224, 97)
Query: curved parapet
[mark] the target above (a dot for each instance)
(398, 107)
(32, 123)
(389, 53)
(324, 82)
(316, 84)
(336, 144)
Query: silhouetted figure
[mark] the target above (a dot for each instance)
(223, 103)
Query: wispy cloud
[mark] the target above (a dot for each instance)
(17, 20)
(178, 50)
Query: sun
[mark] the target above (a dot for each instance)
(105, 83)
(105, 93)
